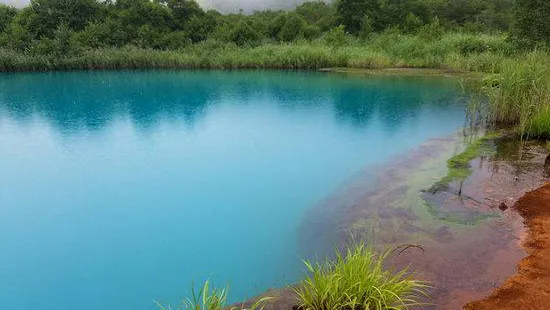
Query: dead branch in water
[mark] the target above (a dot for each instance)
(402, 248)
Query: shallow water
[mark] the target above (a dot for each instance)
(120, 188)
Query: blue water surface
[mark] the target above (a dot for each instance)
(120, 188)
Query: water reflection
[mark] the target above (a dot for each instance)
(92, 101)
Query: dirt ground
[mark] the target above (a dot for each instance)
(529, 289)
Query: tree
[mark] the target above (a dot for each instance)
(137, 20)
(199, 27)
(336, 37)
(366, 27)
(314, 12)
(463, 11)
(102, 34)
(351, 13)
(17, 32)
(412, 23)
(184, 10)
(496, 15)
(293, 28)
(243, 34)
(47, 15)
(403, 14)
(7, 13)
(532, 21)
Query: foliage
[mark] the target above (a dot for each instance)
(412, 23)
(172, 24)
(532, 21)
(244, 34)
(318, 14)
(353, 12)
(47, 15)
(292, 29)
(357, 280)
(7, 13)
(336, 37)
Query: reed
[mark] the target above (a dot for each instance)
(452, 51)
(519, 95)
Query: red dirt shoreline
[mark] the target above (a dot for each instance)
(529, 288)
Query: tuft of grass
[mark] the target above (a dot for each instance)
(357, 280)
(207, 298)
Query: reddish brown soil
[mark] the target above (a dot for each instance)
(529, 289)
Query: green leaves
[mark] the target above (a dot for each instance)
(532, 24)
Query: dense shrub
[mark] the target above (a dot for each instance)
(243, 34)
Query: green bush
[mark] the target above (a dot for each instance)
(292, 29)
(336, 37)
(175, 40)
(243, 34)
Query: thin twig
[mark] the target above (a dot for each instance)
(402, 248)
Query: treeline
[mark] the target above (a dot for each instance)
(65, 27)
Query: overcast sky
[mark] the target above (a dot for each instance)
(18, 3)
(222, 5)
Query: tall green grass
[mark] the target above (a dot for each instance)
(519, 95)
(453, 51)
(207, 298)
(357, 280)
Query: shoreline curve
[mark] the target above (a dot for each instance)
(529, 288)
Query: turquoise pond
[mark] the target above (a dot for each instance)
(120, 188)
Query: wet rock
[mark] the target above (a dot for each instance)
(547, 166)
(503, 207)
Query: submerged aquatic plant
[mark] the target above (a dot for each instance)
(458, 166)
(207, 298)
(357, 280)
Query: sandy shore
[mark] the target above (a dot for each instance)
(530, 287)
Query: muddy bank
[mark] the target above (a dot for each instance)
(530, 287)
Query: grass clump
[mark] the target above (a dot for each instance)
(357, 280)
(207, 298)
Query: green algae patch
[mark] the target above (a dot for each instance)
(459, 168)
